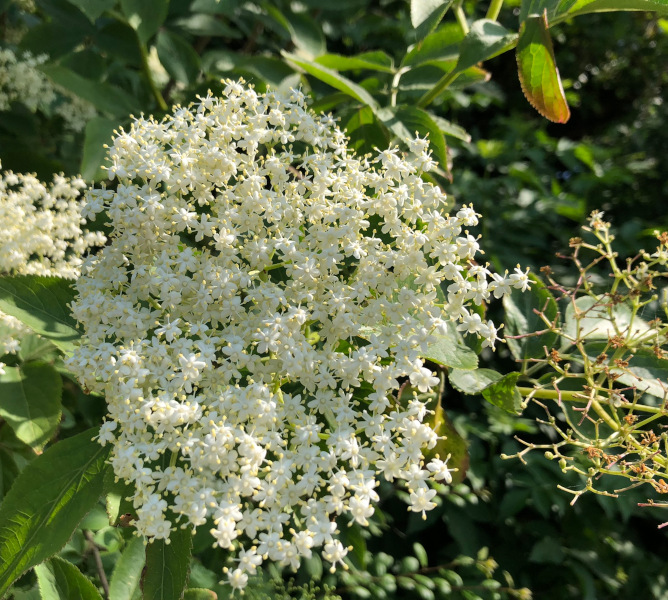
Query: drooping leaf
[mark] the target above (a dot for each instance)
(537, 69)
(103, 96)
(521, 319)
(30, 403)
(167, 567)
(450, 352)
(145, 16)
(178, 57)
(333, 79)
(47, 501)
(504, 394)
(41, 303)
(99, 132)
(426, 15)
(486, 39)
(472, 381)
(374, 61)
(93, 8)
(127, 572)
(59, 579)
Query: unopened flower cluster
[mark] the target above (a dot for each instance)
(41, 233)
(264, 295)
(21, 81)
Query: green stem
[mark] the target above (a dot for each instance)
(441, 84)
(494, 10)
(460, 15)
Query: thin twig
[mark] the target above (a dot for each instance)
(98, 563)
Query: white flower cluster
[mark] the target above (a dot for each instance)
(264, 295)
(21, 81)
(40, 234)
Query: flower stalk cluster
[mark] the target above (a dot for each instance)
(264, 295)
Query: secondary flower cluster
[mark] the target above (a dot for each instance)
(41, 233)
(21, 81)
(264, 295)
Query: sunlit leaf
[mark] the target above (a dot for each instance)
(167, 566)
(538, 73)
(59, 579)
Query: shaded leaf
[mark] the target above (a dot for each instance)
(486, 39)
(127, 572)
(47, 501)
(504, 394)
(93, 8)
(598, 319)
(333, 79)
(30, 404)
(538, 73)
(99, 132)
(178, 57)
(452, 443)
(198, 594)
(304, 32)
(366, 131)
(472, 381)
(41, 303)
(145, 16)
(8, 471)
(167, 566)
(59, 579)
(522, 320)
(201, 25)
(116, 498)
(106, 98)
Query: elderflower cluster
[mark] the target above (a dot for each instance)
(264, 295)
(21, 81)
(40, 234)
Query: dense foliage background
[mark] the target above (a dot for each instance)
(504, 528)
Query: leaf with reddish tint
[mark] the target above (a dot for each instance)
(538, 71)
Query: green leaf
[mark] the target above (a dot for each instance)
(374, 61)
(47, 501)
(472, 381)
(443, 44)
(178, 57)
(333, 79)
(105, 97)
(521, 320)
(599, 319)
(35, 347)
(99, 132)
(304, 32)
(451, 443)
(93, 8)
(167, 566)
(41, 303)
(8, 471)
(366, 131)
(451, 129)
(127, 572)
(116, 497)
(59, 579)
(486, 39)
(583, 7)
(450, 352)
(504, 394)
(207, 25)
(645, 371)
(197, 594)
(145, 16)
(427, 14)
(407, 120)
(538, 73)
(30, 404)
